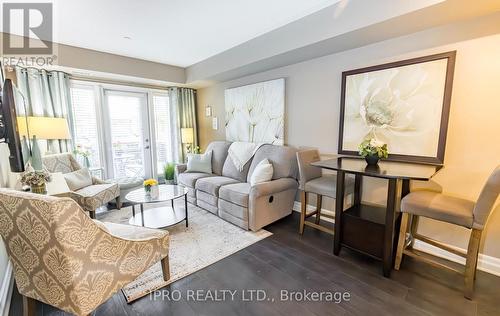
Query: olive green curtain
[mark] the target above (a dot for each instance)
(183, 104)
(47, 94)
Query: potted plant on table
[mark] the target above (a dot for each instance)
(37, 180)
(169, 173)
(372, 150)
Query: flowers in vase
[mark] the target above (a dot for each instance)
(148, 184)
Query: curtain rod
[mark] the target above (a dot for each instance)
(119, 82)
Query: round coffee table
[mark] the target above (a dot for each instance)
(159, 217)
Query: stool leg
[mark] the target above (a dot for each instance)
(303, 207)
(402, 240)
(319, 202)
(413, 228)
(471, 262)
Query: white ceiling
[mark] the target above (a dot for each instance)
(176, 32)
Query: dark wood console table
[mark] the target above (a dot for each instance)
(370, 229)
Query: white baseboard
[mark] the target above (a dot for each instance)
(485, 263)
(6, 290)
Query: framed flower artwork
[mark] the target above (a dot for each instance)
(255, 113)
(405, 104)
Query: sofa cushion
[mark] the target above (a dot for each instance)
(219, 154)
(189, 179)
(236, 193)
(282, 158)
(200, 162)
(78, 179)
(212, 185)
(262, 173)
(230, 170)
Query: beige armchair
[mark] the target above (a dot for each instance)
(90, 198)
(453, 210)
(63, 258)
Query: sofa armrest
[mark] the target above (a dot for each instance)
(271, 187)
(180, 168)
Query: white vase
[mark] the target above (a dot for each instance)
(155, 192)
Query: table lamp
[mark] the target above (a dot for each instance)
(187, 137)
(39, 127)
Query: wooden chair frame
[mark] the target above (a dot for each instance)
(304, 215)
(405, 247)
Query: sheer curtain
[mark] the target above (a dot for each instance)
(183, 101)
(47, 94)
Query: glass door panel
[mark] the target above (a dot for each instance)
(128, 143)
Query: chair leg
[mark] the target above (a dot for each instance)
(165, 267)
(29, 306)
(402, 240)
(303, 209)
(118, 203)
(319, 202)
(414, 227)
(471, 263)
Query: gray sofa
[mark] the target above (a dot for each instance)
(227, 192)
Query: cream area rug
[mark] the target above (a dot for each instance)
(207, 240)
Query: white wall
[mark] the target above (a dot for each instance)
(313, 102)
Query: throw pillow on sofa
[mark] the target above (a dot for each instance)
(263, 172)
(200, 162)
(78, 179)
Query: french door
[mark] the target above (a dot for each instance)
(127, 130)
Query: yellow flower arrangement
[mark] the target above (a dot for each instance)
(149, 183)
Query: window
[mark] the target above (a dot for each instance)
(86, 134)
(128, 131)
(163, 135)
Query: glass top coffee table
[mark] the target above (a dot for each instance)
(161, 216)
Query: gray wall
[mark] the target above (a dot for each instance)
(312, 110)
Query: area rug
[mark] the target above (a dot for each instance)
(207, 240)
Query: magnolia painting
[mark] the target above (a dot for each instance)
(255, 113)
(401, 106)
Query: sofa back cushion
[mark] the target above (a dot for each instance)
(219, 154)
(230, 170)
(282, 158)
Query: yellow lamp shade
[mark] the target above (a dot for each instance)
(43, 127)
(187, 135)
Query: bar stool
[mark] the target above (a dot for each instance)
(311, 180)
(451, 210)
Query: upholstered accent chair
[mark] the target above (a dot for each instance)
(65, 259)
(91, 197)
(311, 180)
(453, 210)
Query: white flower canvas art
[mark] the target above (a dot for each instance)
(404, 106)
(255, 113)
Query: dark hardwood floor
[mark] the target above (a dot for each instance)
(288, 261)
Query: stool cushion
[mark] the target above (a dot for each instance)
(326, 185)
(440, 207)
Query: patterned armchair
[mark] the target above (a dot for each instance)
(90, 198)
(63, 258)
